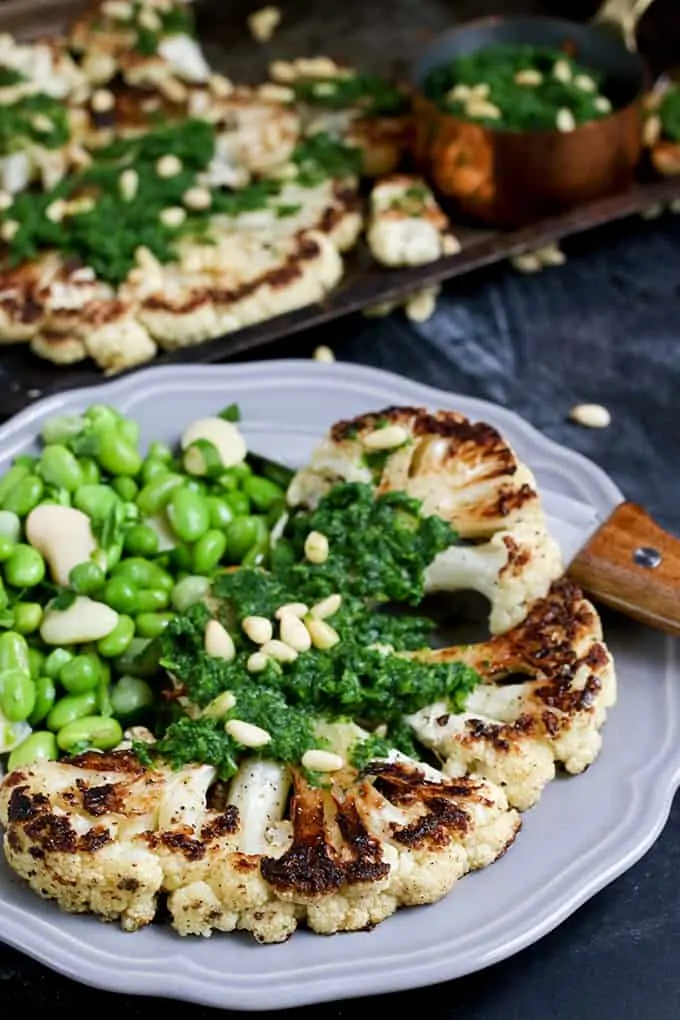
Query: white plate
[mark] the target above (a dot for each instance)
(585, 831)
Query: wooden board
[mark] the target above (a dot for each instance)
(381, 28)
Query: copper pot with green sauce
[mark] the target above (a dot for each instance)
(522, 118)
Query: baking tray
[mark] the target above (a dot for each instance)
(384, 36)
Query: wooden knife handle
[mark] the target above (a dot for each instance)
(633, 565)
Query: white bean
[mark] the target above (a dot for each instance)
(83, 621)
(62, 535)
(224, 436)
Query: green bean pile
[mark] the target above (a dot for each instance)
(162, 525)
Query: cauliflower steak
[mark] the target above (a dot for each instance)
(462, 471)
(101, 833)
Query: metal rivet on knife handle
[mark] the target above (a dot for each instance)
(647, 556)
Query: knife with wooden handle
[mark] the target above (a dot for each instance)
(632, 565)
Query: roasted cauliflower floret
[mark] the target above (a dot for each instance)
(101, 833)
(464, 472)
(547, 686)
(406, 226)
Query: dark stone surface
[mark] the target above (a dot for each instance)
(605, 328)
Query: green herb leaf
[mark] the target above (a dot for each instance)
(63, 601)
(232, 412)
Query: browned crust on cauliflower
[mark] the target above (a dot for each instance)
(547, 686)
(113, 839)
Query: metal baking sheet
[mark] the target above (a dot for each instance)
(380, 35)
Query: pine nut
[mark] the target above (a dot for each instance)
(128, 182)
(282, 70)
(55, 210)
(385, 439)
(450, 245)
(482, 108)
(527, 263)
(294, 633)
(458, 93)
(118, 9)
(220, 86)
(9, 230)
(41, 122)
(258, 629)
(102, 101)
(316, 547)
(220, 705)
(585, 83)
(149, 19)
(6, 200)
(481, 91)
(322, 634)
(565, 120)
(651, 130)
(257, 662)
(603, 105)
(593, 416)
(322, 761)
(323, 353)
(298, 609)
(562, 70)
(169, 166)
(273, 93)
(326, 607)
(551, 255)
(246, 733)
(173, 216)
(279, 650)
(197, 198)
(263, 23)
(422, 305)
(530, 76)
(218, 642)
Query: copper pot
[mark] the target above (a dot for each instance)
(512, 178)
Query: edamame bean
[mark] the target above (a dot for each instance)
(89, 470)
(151, 625)
(152, 467)
(80, 674)
(24, 496)
(126, 488)
(4, 597)
(144, 574)
(12, 478)
(41, 746)
(159, 450)
(240, 471)
(154, 496)
(13, 652)
(87, 578)
(258, 552)
(45, 696)
(227, 482)
(239, 503)
(62, 497)
(10, 526)
(220, 512)
(150, 600)
(63, 428)
(17, 695)
(117, 454)
(27, 618)
(182, 556)
(116, 643)
(36, 661)
(25, 567)
(96, 501)
(6, 548)
(195, 485)
(188, 514)
(263, 493)
(189, 590)
(242, 533)
(120, 594)
(55, 662)
(70, 708)
(130, 694)
(26, 460)
(208, 551)
(141, 540)
(90, 731)
(59, 467)
(101, 416)
(129, 429)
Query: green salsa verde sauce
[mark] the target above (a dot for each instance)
(361, 678)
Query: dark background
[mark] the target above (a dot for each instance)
(603, 328)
